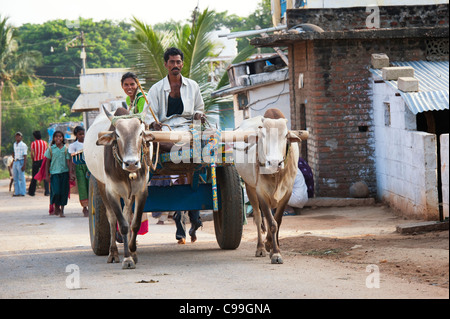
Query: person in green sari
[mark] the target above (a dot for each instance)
(81, 170)
(135, 98)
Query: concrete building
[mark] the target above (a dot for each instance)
(257, 85)
(97, 87)
(331, 87)
(411, 139)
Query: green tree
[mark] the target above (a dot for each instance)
(107, 46)
(15, 66)
(30, 110)
(262, 17)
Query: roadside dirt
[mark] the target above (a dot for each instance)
(419, 258)
(364, 236)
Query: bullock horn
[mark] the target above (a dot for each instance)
(303, 135)
(108, 113)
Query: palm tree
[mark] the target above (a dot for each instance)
(14, 67)
(149, 46)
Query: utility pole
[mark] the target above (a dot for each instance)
(83, 53)
(83, 49)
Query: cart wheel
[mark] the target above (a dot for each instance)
(228, 221)
(98, 221)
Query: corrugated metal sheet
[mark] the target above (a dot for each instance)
(433, 92)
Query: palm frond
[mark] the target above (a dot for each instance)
(148, 50)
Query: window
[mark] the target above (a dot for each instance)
(387, 114)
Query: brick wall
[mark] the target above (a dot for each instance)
(355, 18)
(337, 97)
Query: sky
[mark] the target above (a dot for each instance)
(149, 11)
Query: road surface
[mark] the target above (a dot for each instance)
(43, 256)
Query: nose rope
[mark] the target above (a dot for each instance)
(116, 155)
(120, 161)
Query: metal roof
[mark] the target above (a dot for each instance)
(433, 92)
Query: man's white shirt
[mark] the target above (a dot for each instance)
(158, 97)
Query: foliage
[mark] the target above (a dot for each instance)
(107, 41)
(30, 111)
(261, 17)
(14, 66)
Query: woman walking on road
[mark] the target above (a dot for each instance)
(58, 172)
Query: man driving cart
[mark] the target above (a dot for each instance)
(176, 101)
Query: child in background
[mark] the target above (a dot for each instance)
(80, 170)
(58, 172)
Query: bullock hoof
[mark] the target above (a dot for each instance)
(135, 257)
(128, 263)
(276, 259)
(113, 258)
(260, 252)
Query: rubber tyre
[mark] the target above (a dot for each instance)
(229, 220)
(98, 221)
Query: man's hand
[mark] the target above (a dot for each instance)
(156, 126)
(200, 117)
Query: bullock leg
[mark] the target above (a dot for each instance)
(113, 251)
(253, 198)
(272, 229)
(128, 262)
(279, 216)
(138, 210)
(128, 212)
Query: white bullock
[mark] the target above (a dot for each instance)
(268, 166)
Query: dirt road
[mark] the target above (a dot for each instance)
(328, 253)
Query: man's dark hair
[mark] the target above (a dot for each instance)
(173, 52)
(128, 75)
(37, 135)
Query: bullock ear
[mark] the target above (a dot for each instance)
(105, 138)
(148, 136)
(294, 137)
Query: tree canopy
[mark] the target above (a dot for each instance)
(40, 63)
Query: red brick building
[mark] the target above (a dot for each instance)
(331, 85)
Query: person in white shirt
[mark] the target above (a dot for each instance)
(20, 163)
(175, 100)
(81, 170)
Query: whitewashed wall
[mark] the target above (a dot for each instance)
(444, 173)
(406, 160)
(274, 95)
